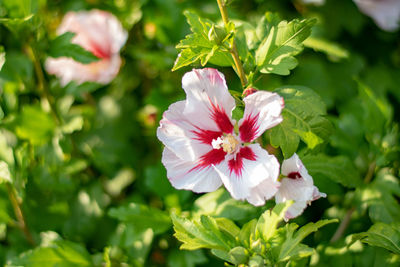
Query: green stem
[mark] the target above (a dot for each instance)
(235, 55)
(346, 220)
(19, 214)
(42, 86)
(370, 172)
(343, 225)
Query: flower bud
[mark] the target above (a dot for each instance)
(249, 91)
(239, 255)
(216, 34)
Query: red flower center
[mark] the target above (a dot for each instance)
(294, 175)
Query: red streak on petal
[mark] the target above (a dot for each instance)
(99, 52)
(206, 136)
(212, 157)
(236, 165)
(219, 116)
(249, 128)
(214, 76)
(294, 175)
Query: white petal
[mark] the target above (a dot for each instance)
(102, 71)
(182, 175)
(300, 192)
(99, 32)
(316, 194)
(294, 164)
(264, 169)
(295, 210)
(301, 188)
(262, 192)
(262, 111)
(177, 133)
(313, 2)
(385, 13)
(295, 189)
(206, 95)
(95, 28)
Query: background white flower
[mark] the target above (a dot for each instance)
(99, 32)
(385, 13)
(313, 2)
(297, 185)
(203, 150)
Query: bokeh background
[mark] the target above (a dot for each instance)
(92, 178)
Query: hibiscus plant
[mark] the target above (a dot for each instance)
(199, 133)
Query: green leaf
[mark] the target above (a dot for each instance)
(239, 255)
(228, 226)
(137, 242)
(331, 49)
(35, 125)
(60, 254)
(268, 222)
(377, 112)
(179, 258)
(2, 56)
(290, 247)
(220, 204)
(247, 233)
(74, 124)
(61, 46)
(339, 169)
(143, 217)
(222, 254)
(5, 207)
(303, 118)
(200, 234)
(20, 8)
(14, 23)
(207, 42)
(276, 52)
(5, 175)
(382, 235)
(381, 198)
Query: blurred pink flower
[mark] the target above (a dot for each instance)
(385, 13)
(205, 148)
(297, 185)
(99, 32)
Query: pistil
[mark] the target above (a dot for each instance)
(228, 143)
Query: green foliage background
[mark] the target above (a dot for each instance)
(84, 161)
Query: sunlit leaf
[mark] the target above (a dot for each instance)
(5, 175)
(382, 235)
(142, 216)
(268, 222)
(60, 253)
(199, 234)
(331, 49)
(2, 57)
(276, 53)
(339, 169)
(292, 248)
(381, 198)
(35, 125)
(207, 42)
(303, 118)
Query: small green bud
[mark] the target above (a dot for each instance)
(256, 246)
(256, 261)
(216, 34)
(239, 255)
